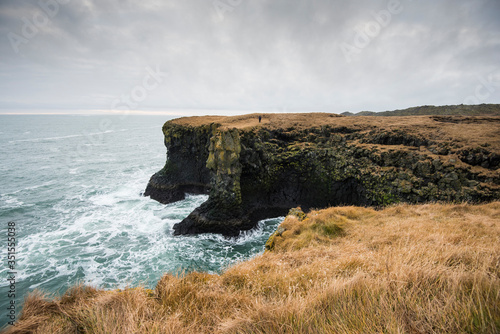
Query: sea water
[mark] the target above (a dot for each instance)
(71, 186)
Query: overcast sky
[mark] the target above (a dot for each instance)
(223, 56)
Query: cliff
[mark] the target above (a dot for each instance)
(255, 170)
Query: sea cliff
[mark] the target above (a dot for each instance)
(255, 170)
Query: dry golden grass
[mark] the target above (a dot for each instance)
(470, 131)
(405, 269)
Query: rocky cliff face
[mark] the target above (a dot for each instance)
(253, 171)
(184, 171)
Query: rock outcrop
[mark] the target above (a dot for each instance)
(255, 170)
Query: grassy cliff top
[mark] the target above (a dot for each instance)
(269, 120)
(464, 130)
(286, 120)
(431, 268)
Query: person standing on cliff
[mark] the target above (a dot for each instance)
(260, 118)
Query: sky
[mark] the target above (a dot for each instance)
(196, 57)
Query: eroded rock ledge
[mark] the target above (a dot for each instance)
(257, 170)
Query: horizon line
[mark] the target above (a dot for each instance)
(184, 112)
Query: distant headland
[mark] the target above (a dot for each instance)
(257, 168)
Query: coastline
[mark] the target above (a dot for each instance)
(254, 168)
(344, 269)
(376, 248)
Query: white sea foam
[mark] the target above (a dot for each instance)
(87, 222)
(139, 234)
(10, 201)
(43, 139)
(34, 140)
(44, 184)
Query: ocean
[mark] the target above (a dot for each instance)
(70, 187)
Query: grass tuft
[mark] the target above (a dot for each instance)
(431, 268)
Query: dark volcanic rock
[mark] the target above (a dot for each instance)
(480, 157)
(254, 171)
(185, 170)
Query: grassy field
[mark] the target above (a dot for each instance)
(463, 131)
(431, 268)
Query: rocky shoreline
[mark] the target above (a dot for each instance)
(253, 170)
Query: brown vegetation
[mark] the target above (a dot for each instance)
(431, 268)
(465, 131)
(465, 110)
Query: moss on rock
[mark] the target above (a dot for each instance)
(263, 171)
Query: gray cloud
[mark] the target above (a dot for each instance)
(249, 55)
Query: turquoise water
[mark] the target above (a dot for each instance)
(72, 185)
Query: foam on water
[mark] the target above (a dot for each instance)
(84, 219)
(7, 201)
(64, 137)
(127, 240)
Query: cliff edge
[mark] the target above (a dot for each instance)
(255, 170)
